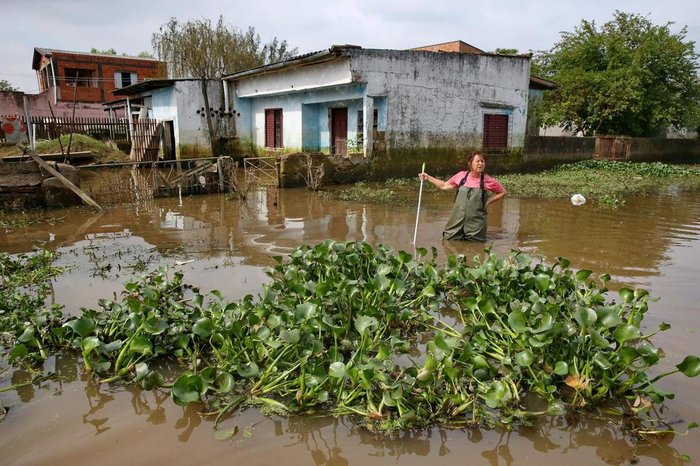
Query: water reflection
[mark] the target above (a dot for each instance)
(157, 430)
(222, 243)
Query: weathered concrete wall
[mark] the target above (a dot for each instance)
(423, 99)
(183, 104)
(665, 150)
(304, 95)
(539, 153)
(439, 99)
(12, 103)
(192, 131)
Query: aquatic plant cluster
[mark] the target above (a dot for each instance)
(393, 340)
(605, 181)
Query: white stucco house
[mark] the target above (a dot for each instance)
(179, 105)
(347, 99)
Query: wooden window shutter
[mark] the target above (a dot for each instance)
(269, 128)
(273, 127)
(278, 134)
(495, 131)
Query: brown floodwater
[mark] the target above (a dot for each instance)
(652, 242)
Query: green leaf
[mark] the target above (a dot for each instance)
(585, 316)
(141, 345)
(187, 389)
(141, 372)
(305, 311)
(224, 382)
(337, 369)
(626, 295)
(81, 326)
(18, 351)
(561, 368)
(542, 282)
(598, 340)
(27, 335)
(203, 327)
(546, 322)
(387, 399)
(582, 275)
(626, 332)
(690, 366)
(113, 346)
(649, 353)
(497, 394)
(517, 322)
(601, 361)
(89, 344)
(291, 336)
(249, 370)
(525, 358)
(155, 325)
(608, 317)
(364, 323)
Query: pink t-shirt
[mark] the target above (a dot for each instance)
(490, 183)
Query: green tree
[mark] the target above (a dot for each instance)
(628, 77)
(506, 51)
(199, 48)
(103, 52)
(6, 86)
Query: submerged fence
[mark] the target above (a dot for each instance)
(136, 182)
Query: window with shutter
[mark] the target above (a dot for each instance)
(495, 131)
(273, 127)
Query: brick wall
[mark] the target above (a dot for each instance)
(103, 68)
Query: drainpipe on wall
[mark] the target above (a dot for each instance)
(225, 84)
(55, 86)
(128, 119)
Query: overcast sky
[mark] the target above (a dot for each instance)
(127, 25)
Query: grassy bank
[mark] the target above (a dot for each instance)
(607, 182)
(602, 180)
(102, 152)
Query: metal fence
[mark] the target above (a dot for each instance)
(135, 182)
(261, 171)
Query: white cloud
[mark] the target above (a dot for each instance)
(127, 25)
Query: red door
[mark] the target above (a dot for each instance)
(339, 131)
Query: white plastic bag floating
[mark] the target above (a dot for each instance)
(578, 199)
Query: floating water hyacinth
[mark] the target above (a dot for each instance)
(578, 199)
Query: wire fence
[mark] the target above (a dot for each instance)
(102, 129)
(136, 182)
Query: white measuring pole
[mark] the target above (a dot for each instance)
(420, 194)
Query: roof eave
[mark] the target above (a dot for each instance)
(334, 52)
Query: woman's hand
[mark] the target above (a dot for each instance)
(423, 176)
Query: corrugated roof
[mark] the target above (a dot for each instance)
(40, 51)
(47, 51)
(541, 83)
(318, 55)
(151, 84)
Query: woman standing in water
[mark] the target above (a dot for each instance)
(475, 192)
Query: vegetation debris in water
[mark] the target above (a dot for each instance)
(392, 340)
